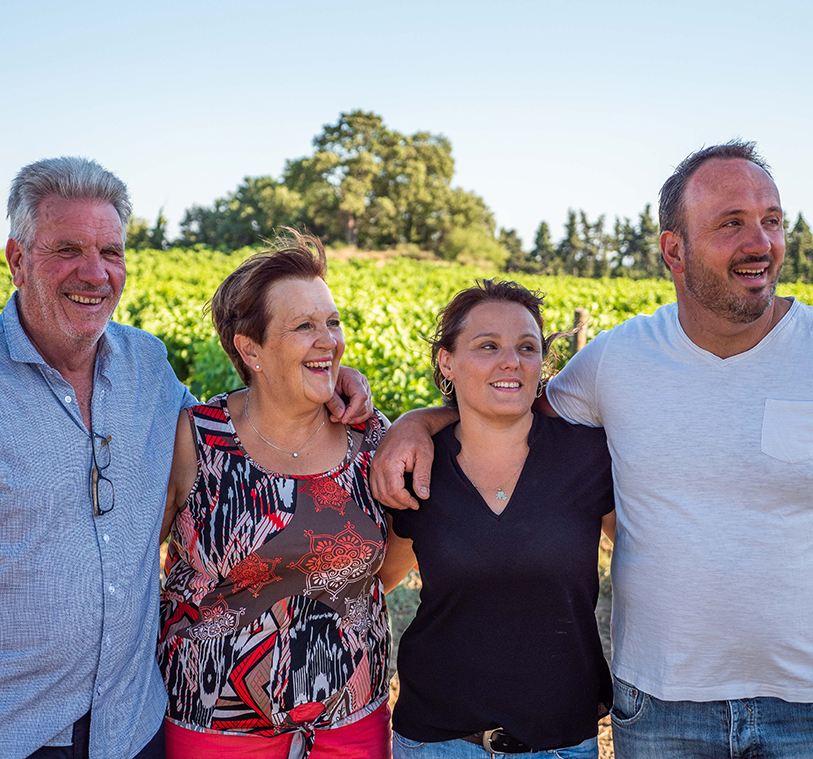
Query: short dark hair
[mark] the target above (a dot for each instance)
(670, 208)
(67, 177)
(239, 305)
(451, 321)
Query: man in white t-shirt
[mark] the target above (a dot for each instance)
(708, 409)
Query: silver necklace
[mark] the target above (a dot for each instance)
(500, 495)
(268, 442)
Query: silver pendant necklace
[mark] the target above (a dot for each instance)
(500, 495)
(295, 453)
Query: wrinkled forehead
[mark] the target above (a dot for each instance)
(79, 220)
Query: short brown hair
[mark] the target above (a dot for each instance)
(239, 305)
(671, 216)
(452, 319)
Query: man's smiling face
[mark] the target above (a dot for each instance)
(735, 241)
(71, 277)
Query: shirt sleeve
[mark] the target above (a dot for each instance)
(573, 392)
(188, 399)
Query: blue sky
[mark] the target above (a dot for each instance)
(548, 105)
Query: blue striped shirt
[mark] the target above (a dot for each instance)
(79, 593)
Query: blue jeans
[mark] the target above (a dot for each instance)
(645, 727)
(404, 748)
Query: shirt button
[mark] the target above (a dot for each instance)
(109, 641)
(106, 538)
(112, 588)
(98, 691)
(67, 399)
(102, 393)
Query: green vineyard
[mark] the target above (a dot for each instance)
(388, 306)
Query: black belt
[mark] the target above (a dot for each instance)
(498, 741)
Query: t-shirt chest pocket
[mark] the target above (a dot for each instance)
(787, 430)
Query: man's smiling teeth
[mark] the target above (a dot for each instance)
(87, 301)
(753, 273)
(318, 364)
(505, 384)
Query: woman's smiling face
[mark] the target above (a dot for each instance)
(497, 361)
(304, 342)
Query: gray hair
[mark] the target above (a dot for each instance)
(67, 177)
(670, 208)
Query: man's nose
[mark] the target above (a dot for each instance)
(92, 269)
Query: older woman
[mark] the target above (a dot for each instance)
(274, 639)
(504, 654)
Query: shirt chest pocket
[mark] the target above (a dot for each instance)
(787, 430)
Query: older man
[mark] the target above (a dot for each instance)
(708, 409)
(89, 408)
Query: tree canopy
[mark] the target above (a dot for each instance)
(365, 185)
(370, 186)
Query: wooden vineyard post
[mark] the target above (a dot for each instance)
(580, 318)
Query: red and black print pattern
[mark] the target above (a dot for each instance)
(272, 615)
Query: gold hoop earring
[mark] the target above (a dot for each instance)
(446, 387)
(540, 388)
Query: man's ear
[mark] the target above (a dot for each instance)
(673, 251)
(14, 257)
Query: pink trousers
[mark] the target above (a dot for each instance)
(370, 737)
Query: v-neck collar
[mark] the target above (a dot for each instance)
(453, 447)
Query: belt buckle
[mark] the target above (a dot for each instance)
(487, 741)
(497, 741)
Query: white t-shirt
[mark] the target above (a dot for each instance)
(713, 469)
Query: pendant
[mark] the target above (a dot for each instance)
(500, 495)
(294, 455)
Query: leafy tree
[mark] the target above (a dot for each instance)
(349, 156)
(518, 260)
(799, 253)
(141, 236)
(372, 186)
(636, 247)
(365, 184)
(253, 211)
(138, 233)
(569, 250)
(643, 246)
(594, 259)
(472, 245)
(158, 234)
(544, 252)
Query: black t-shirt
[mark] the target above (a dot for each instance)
(506, 635)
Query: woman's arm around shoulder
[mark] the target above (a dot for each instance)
(183, 474)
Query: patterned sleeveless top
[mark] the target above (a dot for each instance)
(272, 616)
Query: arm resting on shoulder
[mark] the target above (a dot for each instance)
(399, 560)
(183, 474)
(407, 447)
